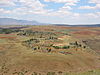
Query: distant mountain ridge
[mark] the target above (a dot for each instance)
(10, 21)
(88, 25)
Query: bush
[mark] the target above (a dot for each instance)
(56, 47)
(49, 49)
(84, 46)
(66, 47)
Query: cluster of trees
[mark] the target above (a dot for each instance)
(52, 38)
(31, 33)
(46, 36)
(77, 45)
(8, 31)
(26, 32)
(61, 47)
(29, 43)
(32, 41)
(35, 44)
(38, 34)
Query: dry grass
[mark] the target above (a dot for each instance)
(14, 57)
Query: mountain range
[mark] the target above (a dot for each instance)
(11, 21)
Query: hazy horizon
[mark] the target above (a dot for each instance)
(51, 23)
(52, 11)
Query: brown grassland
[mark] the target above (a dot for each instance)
(50, 50)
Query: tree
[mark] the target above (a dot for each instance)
(84, 46)
(76, 44)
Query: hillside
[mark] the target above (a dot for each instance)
(49, 50)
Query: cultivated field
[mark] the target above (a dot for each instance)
(50, 50)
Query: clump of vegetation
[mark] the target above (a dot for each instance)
(57, 47)
(77, 45)
(8, 31)
(61, 47)
(32, 41)
(66, 47)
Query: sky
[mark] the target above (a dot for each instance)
(52, 11)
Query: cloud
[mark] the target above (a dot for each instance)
(91, 15)
(94, 1)
(36, 7)
(70, 4)
(64, 10)
(33, 7)
(6, 3)
(4, 11)
(97, 6)
(86, 7)
(66, 7)
(90, 7)
(29, 7)
(63, 1)
(35, 4)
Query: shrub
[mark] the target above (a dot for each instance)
(51, 73)
(66, 47)
(84, 46)
(57, 47)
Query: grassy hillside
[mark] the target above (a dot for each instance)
(49, 50)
